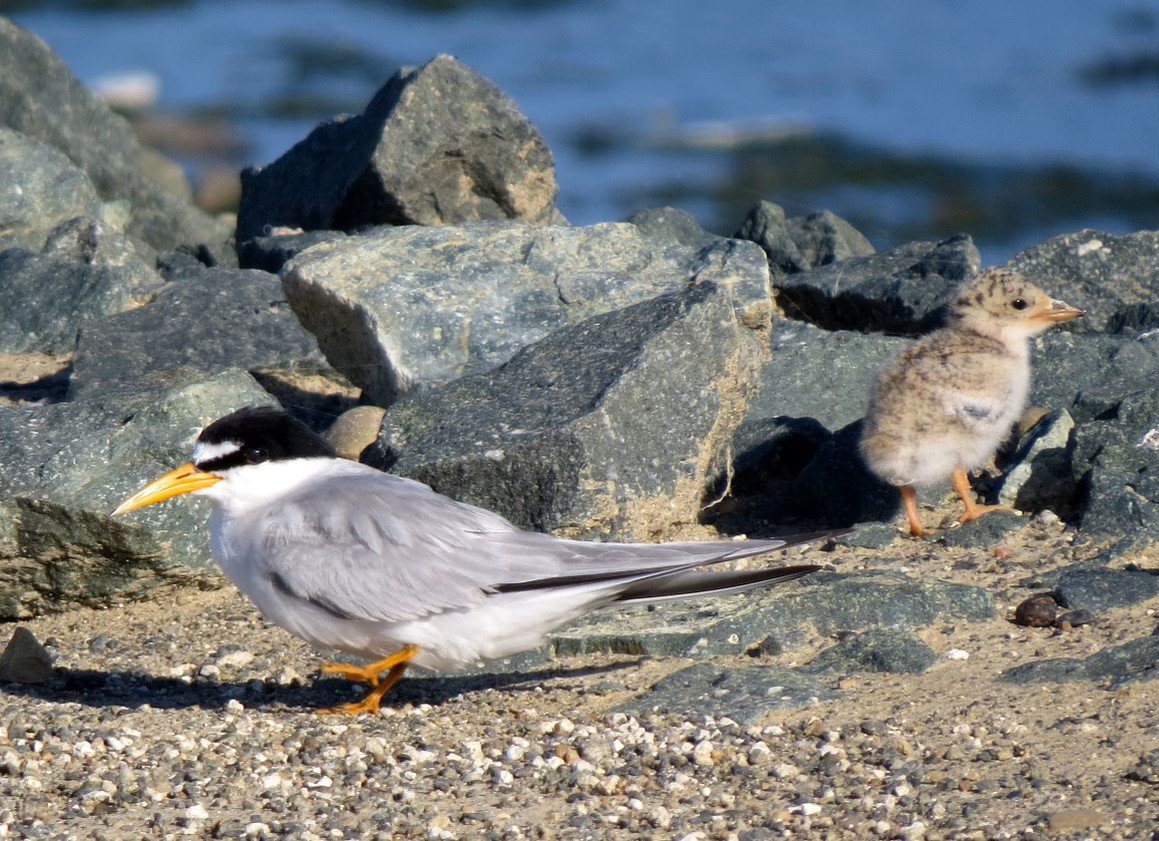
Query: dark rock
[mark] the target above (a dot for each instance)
(39, 189)
(1147, 769)
(101, 244)
(1100, 590)
(610, 427)
(47, 301)
(1039, 611)
(902, 290)
(1134, 319)
(1075, 618)
(744, 695)
(678, 226)
(42, 100)
(872, 536)
(222, 319)
(67, 465)
(766, 226)
(839, 489)
(767, 619)
(878, 650)
(24, 660)
(1041, 474)
(1089, 375)
(1105, 275)
(802, 243)
(825, 238)
(271, 253)
(436, 146)
(402, 306)
(1118, 665)
(984, 532)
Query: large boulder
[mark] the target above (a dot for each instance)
(401, 306)
(802, 243)
(67, 465)
(1114, 279)
(609, 428)
(211, 322)
(42, 100)
(436, 146)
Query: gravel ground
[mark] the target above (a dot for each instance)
(189, 716)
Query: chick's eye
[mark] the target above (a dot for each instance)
(1019, 304)
(256, 455)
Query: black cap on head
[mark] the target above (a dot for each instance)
(254, 435)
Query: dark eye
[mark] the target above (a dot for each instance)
(256, 455)
(1019, 304)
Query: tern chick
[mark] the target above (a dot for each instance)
(349, 558)
(942, 407)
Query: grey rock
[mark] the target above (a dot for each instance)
(1106, 275)
(610, 427)
(1089, 375)
(826, 603)
(39, 189)
(45, 301)
(102, 244)
(1041, 475)
(674, 225)
(222, 319)
(840, 490)
(67, 465)
(1134, 319)
(42, 100)
(1118, 666)
(1117, 460)
(871, 536)
(25, 660)
(984, 532)
(271, 253)
(745, 695)
(438, 145)
(877, 650)
(902, 290)
(766, 225)
(825, 238)
(802, 243)
(1100, 590)
(400, 306)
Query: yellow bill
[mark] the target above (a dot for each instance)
(181, 480)
(1057, 312)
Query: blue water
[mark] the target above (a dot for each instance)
(976, 80)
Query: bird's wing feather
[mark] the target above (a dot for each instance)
(383, 548)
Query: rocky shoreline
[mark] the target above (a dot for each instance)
(402, 275)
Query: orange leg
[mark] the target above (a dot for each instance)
(909, 499)
(394, 666)
(962, 489)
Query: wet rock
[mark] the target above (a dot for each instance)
(401, 306)
(1105, 275)
(437, 145)
(67, 465)
(1118, 665)
(42, 100)
(221, 319)
(1041, 475)
(39, 189)
(878, 650)
(802, 243)
(25, 660)
(1100, 590)
(902, 290)
(1039, 611)
(610, 427)
(744, 695)
(271, 253)
(984, 532)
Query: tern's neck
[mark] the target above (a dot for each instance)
(1011, 335)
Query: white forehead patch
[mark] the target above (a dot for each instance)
(208, 452)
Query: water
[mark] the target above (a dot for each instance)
(1009, 120)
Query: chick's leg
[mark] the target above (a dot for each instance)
(909, 499)
(964, 492)
(394, 666)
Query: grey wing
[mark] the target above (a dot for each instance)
(383, 548)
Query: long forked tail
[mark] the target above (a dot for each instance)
(679, 585)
